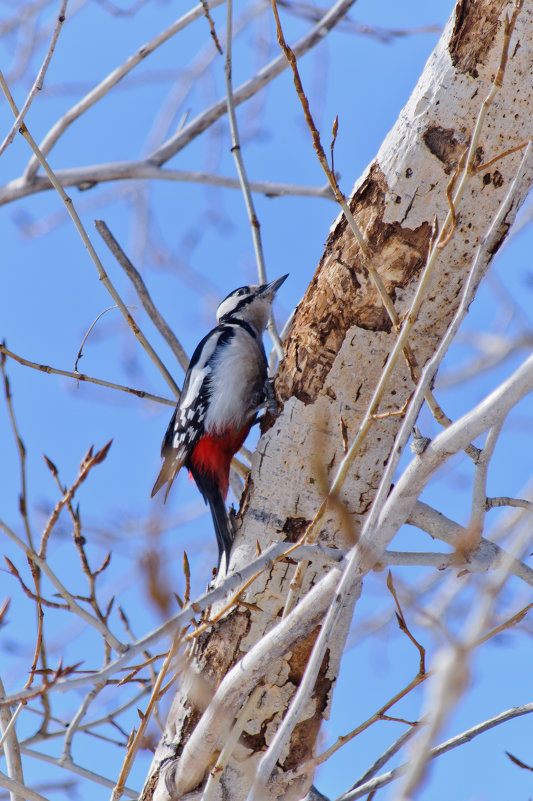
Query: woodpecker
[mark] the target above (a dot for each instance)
(225, 387)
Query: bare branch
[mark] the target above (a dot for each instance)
(18, 790)
(396, 506)
(11, 750)
(85, 178)
(519, 503)
(73, 767)
(72, 603)
(487, 555)
(88, 244)
(361, 790)
(104, 86)
(38, 83)
(144, 296)
(251, 87)
(232, 584)
(45, 368)
(243, 177)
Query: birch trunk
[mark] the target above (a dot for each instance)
(338, 344)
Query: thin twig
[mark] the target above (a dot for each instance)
(85, 178)
(89, 461)
(78, 770)
(45, 368)
(278, 65)
(23, 501)
(211, 25)
(72, 603)
(40, 649)
(243, 177)
(72, 728)
(479, 489)
(111, 80)
(144, 296)
(133, 747)
(363, 554)
(84, 340)
(38, 83)
(454, 742)
(520, 503)
(88, 244)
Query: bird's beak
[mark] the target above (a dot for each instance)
(272, 288)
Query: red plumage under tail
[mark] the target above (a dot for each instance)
(212, 496)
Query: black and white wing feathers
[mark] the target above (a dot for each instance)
(186, 426)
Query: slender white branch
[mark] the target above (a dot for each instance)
(38, 83)
(73, 605)
(73, 767)
(393, 749)
(111, 80)
(45, 368)
(243, 177)
(519, 503)
(485, 556)
(143, 170)
(479, 490)
(465, 737)
(19, 791)
(11, 748)
(74, 724)
(251, 87)
(389, 512)
(222, 593)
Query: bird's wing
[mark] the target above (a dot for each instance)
(187, 423)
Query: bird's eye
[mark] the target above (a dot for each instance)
(241, 292)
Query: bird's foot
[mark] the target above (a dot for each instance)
(271, 403)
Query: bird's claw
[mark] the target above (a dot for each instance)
(271, 404)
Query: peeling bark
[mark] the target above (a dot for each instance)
(339, 341)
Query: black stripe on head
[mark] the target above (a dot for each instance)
(235, 302)
(241, 291)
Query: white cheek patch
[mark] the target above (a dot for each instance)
(228, 305)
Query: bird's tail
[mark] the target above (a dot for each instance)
(221, 522)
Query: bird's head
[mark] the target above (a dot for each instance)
(251, 304)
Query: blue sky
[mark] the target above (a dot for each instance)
(192, 248)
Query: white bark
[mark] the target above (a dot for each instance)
(338, 344)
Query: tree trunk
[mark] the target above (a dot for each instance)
(339, 342)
